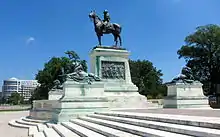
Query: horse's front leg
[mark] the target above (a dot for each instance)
(99, 39)
(116, 42)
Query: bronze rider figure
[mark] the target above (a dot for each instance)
(106, 20)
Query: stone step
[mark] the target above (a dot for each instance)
(32, 131)
(50, 132)
(137, 130)
(182, 129)
(33, 128)
(206, 122)
(15, 124)
(49, 125)
(81, 131)
(41, 127)
(63, 131)
(107, 131)
(39, 134)
(21, 121)
(27, 119)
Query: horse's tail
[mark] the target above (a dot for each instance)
(117, 27)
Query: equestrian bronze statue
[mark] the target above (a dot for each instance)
(105, 27)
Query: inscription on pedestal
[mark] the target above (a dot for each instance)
(112, 70)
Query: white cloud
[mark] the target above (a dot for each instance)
(30, 40)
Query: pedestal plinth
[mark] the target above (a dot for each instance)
(79, 99)
(180, 95)
(55, 94)
(112, 66)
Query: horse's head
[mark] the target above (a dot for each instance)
(92, 15)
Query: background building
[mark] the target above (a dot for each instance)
(23, 87)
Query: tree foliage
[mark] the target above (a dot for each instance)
(15, 99)
(202, 53)
(51, 71)
(3, 100)
(147, 78)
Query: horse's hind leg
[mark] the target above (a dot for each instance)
(115, 39)
(119, 36)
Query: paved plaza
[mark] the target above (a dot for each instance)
(8, 131)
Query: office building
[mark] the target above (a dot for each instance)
(23, 87)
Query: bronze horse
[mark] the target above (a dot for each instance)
(113, 28)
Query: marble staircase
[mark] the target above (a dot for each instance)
(124, 124)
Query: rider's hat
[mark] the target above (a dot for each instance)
(105, 11)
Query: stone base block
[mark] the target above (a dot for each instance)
(126, 100)
(186, 102)
(43, 109)
(73, 90)
(41, 114)
(55, 94)
(181, 95)
(118, 86)
(78, 107)
(79, 99)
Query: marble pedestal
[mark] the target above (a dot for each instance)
(112, 66)
(180, 95)
(79, 99)
(43, 109)
(55, 94)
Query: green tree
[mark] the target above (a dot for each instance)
(51, 71)
(202, 53)
(147, 78)
(15, 98)
(3, 100)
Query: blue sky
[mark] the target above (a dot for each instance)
(31, 32)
